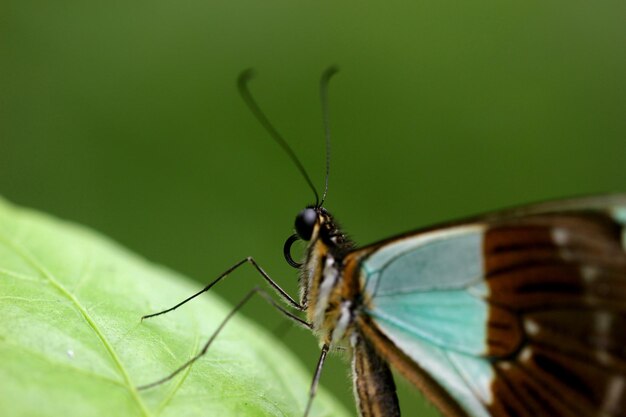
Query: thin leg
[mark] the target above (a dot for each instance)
(249, 260)
(316, 379)
(280, 308)
(206, 346)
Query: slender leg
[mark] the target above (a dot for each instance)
(316, 379)
(280, 308)
(206, 346)
(260, 270)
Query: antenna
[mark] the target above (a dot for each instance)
(242, 84)
(326, 76)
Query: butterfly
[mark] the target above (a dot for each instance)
(519, 313)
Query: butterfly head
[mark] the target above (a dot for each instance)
(315, 223)
(306, 222)
(316, 226)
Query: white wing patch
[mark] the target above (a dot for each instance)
(619, 214)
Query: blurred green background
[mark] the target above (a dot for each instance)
(124, 116)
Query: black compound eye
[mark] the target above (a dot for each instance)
(305, 221)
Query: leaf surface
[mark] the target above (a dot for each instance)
(72, 344)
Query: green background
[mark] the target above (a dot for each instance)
(124, 116)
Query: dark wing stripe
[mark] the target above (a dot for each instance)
(538, 397)
(510, 402)
(501, 262)
(579, 382)
(504, 332)
(564, 277)
(558, 284)
(570, 381)
(592, 230)
(545, 239)
(509, 238)
(595, 335)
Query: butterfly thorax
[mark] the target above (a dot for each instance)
(327, 285)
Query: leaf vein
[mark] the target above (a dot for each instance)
(171, 395)
(90, 321)
(17, 275)
(65, 365)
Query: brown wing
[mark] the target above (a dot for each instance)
(556, 287)
(564, 277)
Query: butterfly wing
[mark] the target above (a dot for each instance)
(521, 313)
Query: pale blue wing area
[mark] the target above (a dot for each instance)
(439, 260)
(425, 294)
(467, 378)
(450, 320)
(430, 286)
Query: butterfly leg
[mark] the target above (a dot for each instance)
(235, 309)
(316, 379)
(286, 297)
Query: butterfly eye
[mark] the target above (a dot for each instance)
(305, 220)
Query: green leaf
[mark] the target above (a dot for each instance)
(72, 344)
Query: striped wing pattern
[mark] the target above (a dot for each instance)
(519, 314)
